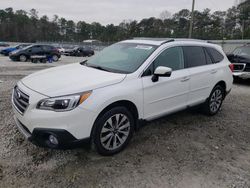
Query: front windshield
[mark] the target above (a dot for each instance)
(122, 57)
(242, 51)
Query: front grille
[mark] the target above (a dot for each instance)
(20, 100)
(239, 67)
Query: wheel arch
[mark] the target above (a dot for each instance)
(222, 84)
(27, 56)
(124, 103)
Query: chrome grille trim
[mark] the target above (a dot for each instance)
(20, 100)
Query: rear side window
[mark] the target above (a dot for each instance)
(194, 56)
(216, 56)
(35, 49)
(47, 48)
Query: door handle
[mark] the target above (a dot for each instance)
(213, 71)
(184, 79)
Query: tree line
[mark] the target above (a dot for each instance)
(23, 26)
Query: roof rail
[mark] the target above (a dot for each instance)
(164, 40)
(188, 39)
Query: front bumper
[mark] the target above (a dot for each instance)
(4, 53)
(14, 58)
(70, 127)
(40, 137)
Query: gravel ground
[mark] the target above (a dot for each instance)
(186, 149)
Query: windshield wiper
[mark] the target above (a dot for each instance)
(84, 62)
(95, 66)
(98, 67)
(102, 68)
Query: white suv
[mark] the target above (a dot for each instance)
(102, 99)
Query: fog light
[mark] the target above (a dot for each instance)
(53, 140)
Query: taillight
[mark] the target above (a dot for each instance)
(231, 66)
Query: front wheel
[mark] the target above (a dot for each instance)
(23, 58)
(215, 100)
(113, 131)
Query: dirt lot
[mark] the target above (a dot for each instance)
(186, 149)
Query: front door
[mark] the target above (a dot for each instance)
(168, 94)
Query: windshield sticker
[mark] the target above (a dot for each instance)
(143, 47)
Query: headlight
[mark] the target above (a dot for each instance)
(64, 103)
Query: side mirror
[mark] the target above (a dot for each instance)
(161, 71)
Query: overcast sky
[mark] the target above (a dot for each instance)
(111, 11)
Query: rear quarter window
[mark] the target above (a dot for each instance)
(215, 55)
(208, 57)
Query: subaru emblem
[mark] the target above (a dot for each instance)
(18, 94)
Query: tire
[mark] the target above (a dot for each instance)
(213, 103)
(22, 58)
(55, 58)
(109, 137)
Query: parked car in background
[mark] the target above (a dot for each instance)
(80, 51)
(240, 58)
(3, 45)
(36, 49)
(6, 51)
(61, 49)
(101, 100)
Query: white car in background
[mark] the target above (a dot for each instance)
(60, 49)
(102, 100)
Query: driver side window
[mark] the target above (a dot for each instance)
(172, 58)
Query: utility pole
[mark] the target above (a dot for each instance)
(243, 28)
(191, 21)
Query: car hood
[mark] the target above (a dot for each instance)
(70, 79)
(238, 58)
(10, 49)
(16, 51)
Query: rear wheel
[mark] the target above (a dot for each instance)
(23, 58)
(55, 58)
(215, 100)
(113, 131)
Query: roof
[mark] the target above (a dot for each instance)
(160, 41)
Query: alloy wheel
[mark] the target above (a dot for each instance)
(23, 58)
(115, 131)
(216, 100)
(55, 58)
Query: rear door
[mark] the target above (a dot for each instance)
(47, 50)
(36, 50)
(202, 71)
